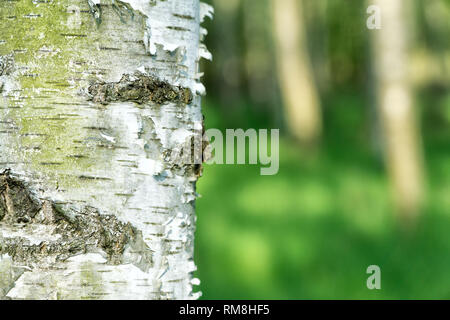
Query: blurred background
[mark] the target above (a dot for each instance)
(364, 118)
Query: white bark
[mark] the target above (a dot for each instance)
(93, 205)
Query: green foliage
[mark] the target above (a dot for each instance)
(312, 230)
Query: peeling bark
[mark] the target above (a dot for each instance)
(94, 96)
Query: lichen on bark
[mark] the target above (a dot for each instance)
(110, 218)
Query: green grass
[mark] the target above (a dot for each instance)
(311, 231)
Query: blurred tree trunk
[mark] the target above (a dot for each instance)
(95, 98)
(226, 77)
(297, 86)
(259, 55)
(396, 106)
(315, 15)
(431, 60)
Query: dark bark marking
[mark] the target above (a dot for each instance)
(141, 89)
(80, 230)
(17, 205)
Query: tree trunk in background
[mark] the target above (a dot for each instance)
(396, 107)
(299, 93)
(95, 98)
(259, 55)
(227, 76)
(431, 61)
(315, 17)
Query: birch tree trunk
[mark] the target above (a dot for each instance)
(298, 90)
(96, 97)
(396, 107)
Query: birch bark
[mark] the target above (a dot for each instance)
(95, 97)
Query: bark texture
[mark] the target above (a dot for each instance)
(96, 98)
